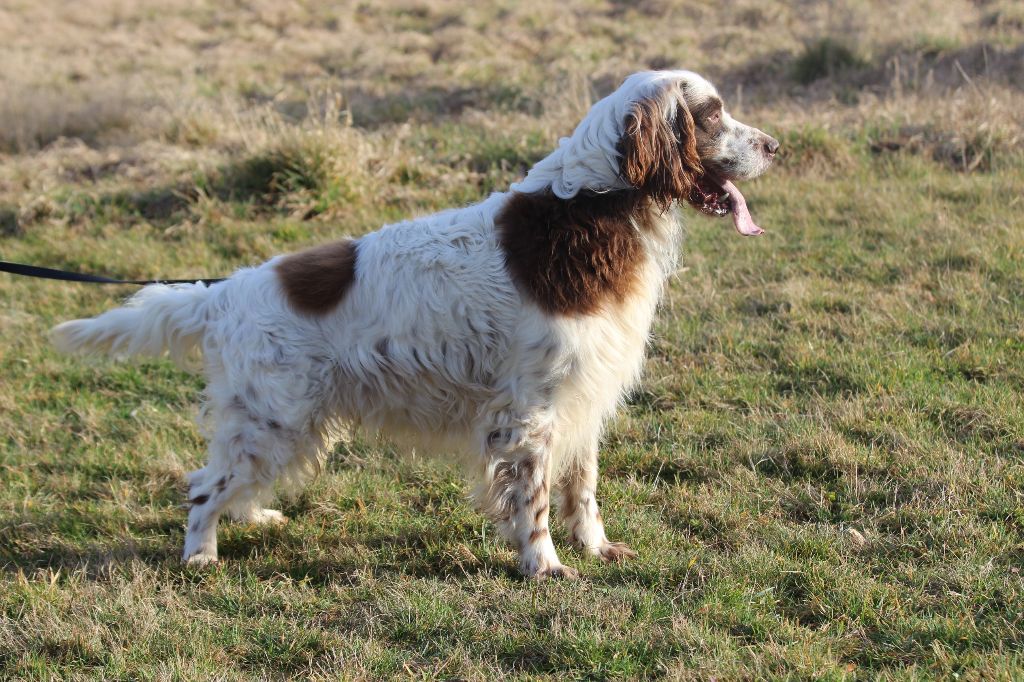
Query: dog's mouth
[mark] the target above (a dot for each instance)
(716, 196)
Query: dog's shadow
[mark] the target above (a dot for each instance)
(41, 548)
(75, 541)
(46, 546)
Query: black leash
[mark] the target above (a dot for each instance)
(66, 276)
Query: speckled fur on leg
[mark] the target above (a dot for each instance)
(578, 508)
(518, 492)
(248, 453)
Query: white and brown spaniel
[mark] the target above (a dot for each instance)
(503, 334)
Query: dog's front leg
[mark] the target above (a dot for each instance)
(518, 493)
(578, 506)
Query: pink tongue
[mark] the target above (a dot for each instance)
(740, 214)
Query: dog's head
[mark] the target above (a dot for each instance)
(666, 134)
(678, 142)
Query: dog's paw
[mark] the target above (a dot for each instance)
(615, 552)
(267, 517)
(557, 572)
(200, 559)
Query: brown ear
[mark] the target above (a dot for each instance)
(659, 156)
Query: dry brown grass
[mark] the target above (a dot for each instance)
(181, 74)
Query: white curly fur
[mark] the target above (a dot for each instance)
(433, 344)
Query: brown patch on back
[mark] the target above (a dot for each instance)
(315, 281)
(573, 256)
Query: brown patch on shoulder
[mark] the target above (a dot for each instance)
(316, 280)
(574, 256)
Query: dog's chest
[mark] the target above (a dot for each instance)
(605, 352)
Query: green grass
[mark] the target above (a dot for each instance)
(821, 473)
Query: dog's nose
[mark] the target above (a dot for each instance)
(771, 145)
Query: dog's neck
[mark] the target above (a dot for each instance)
(582, 255)
(572, 169)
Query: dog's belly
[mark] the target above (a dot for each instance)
(424, 408)
(427, 386)
(436, 403)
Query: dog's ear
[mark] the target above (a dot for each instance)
(659, 148)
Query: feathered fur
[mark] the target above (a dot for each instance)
(503, 334)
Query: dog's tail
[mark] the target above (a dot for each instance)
(158, 318)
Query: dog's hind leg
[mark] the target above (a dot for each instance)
(247, 455)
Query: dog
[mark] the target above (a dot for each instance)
(502, 335)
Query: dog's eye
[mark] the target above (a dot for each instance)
(714, 117)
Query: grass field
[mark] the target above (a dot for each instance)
(823, 472)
